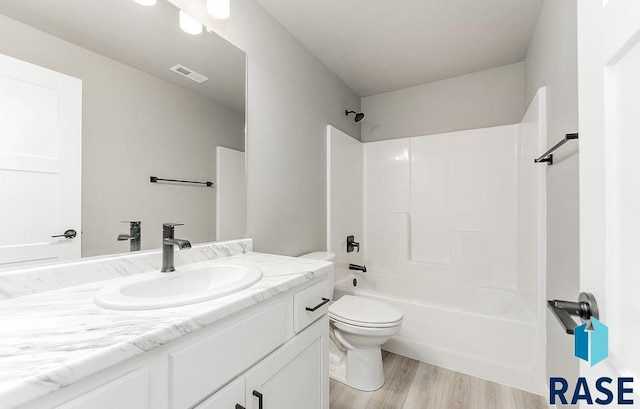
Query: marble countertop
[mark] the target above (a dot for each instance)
(52, 339)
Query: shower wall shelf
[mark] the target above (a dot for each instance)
(548, 155)
(155, 179)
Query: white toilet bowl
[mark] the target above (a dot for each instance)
(358, 327)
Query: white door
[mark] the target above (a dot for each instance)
(40, 164)
(609, 99)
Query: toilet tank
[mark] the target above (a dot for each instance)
(324, 256)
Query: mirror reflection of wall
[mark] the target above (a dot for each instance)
(139, 119)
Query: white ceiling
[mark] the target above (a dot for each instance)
(377, 46)
(147, 38)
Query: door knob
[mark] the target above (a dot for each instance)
(585, 308)
(69, 234)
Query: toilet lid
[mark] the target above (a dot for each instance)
(361, 310)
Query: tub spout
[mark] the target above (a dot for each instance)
(357, 267)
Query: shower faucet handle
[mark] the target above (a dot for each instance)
(352, 244)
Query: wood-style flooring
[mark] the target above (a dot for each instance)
(412, 384)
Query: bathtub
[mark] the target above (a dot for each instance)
(460, 334)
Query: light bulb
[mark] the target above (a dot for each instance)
(189, 25)
(220, 9)
(146, 2)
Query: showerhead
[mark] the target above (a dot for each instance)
(359, 115)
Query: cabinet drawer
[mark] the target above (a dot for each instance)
(227, 398)
(311, 298)
(198, 369)
(129, 392)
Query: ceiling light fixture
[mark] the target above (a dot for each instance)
(220, 9)
(147, 3)
(189, 25)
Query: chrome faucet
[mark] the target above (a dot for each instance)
(168, 243)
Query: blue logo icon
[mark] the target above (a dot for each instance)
(592, 345)
(597, 338)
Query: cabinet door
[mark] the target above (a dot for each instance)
(229, 397)
(199, 368)
(296, 376)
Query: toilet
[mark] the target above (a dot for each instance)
(358, 327)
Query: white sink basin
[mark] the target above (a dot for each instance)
(187, 285)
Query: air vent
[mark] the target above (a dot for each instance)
(186, 72)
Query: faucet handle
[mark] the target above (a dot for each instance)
(170, 226)
(352, 244)
(167, 229)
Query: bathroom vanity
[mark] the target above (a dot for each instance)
(265, 346)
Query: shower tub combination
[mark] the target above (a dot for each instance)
(452, 229)
(463, 333)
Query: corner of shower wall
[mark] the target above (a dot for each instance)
(532, 139)
(344, 198)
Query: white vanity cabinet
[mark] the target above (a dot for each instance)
(273, 355)
(295, 376)
(198, 368)
(231, 396)
(128, 391)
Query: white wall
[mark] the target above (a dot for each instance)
(478, 100)
(135, 125)
(231, 194)
(292, 97)
(344, 198)
(552, 61)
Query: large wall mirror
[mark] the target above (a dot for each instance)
(155, 102)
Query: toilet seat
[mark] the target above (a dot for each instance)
(364, 324)
(364, 312)
(366, 331)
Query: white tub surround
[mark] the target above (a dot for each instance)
(453, 234)
(52, 339)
